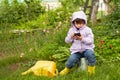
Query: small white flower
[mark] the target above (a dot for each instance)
(30, 49)
(117, 31)
(21, 55)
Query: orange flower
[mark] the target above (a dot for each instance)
(102, 42)
(111, 47)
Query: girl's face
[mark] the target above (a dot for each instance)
(79, 25)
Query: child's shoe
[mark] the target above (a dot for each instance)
(91, 70)
(65, 71)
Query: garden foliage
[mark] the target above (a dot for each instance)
(15, 12)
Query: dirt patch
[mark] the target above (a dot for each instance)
(13, 66)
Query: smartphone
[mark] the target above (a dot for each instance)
(77, 34)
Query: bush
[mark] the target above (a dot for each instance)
(16, 12)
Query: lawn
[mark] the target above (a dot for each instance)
(21, 52)
(104, 71)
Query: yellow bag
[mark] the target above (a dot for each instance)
(43, 68)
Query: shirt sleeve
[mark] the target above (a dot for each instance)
(88, 38)
(69, 38)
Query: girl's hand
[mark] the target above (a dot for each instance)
(77, 37)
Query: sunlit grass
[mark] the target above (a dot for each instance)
(103, 72)
(24, 50)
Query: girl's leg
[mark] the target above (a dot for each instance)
(90, 56)
(73, 60)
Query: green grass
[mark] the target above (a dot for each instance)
(39, 46)
(103, 72)
(11, 65)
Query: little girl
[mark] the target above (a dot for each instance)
(82, 40)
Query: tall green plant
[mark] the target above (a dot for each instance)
(16, 12)
(3, 10)
(113, 20)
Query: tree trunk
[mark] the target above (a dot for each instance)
(107, 7)
(94, 11)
